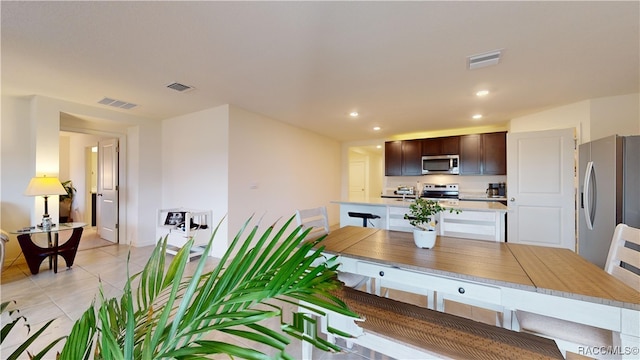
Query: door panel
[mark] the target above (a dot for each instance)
(540, 178)
(357, 181)
(107, 196)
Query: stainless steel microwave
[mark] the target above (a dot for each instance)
(441, 164)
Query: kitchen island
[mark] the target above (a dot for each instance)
(478, 220)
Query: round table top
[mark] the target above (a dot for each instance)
(55, 228)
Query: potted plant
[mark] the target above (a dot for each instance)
(66, 201)
(170, 313)
(422, 215)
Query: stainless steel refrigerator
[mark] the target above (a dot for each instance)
(609, 175)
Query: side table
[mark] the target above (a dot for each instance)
(35, 254)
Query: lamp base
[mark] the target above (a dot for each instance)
(46, 222)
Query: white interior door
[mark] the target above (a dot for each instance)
(357, 181)
(541, 191)
(107, 195)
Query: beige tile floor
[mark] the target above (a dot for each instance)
(66, 295)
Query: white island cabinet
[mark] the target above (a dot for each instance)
(477, 219)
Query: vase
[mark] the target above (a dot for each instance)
(424, 239)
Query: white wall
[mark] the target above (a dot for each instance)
(576, 115)
(593, 119)
(17, 169)
(64, 156)
(195, 172)
(238, 163)
(276, 168)
(144, 171)
(615, 115)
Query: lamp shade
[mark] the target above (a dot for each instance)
(43, 186)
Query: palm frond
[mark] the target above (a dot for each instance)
(173, 315)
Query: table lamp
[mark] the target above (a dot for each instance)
(45, 186)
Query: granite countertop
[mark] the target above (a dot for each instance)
(461, 204)
(479, 196)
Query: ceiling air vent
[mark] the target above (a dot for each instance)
(486, 59)
(117, 103)
(180, 87)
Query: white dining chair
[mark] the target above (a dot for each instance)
(625, 251)
(623, 257)
(318, 220)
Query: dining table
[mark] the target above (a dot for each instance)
(549, 281)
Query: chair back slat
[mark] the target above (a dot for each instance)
(623, 260)
(315, 218)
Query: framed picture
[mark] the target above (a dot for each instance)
(175, 218)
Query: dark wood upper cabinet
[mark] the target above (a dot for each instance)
(471, 154)
(480, 154)
(483, 154)
(431, 146)
(403, 158)
(494, 153)
(412, 157)
(393, 158)
(449, 145)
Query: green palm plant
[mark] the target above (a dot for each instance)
(169, 314)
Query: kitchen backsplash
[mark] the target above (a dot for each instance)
(468, 184)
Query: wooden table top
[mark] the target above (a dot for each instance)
(562, 272)
(554, 271)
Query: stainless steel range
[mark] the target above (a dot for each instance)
(441, 191)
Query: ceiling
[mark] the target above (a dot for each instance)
(401, 65)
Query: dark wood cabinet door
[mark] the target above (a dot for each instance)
(450, 145)
(412, 157)
(494, 153)
(431, 146)
(471, 154)
(393, 158)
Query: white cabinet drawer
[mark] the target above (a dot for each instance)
(448, 285)
(399, 211)
(473, 229)
(396, 219)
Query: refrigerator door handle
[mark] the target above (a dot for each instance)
(589, 205)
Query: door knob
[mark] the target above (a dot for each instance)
(512, 199)
(99, 194)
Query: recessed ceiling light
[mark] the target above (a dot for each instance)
(353, 114)
(482, 93)
(477, 116)
(376, 128)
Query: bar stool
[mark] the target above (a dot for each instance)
(363, 216)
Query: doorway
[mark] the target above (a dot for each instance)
(91, 179)
(365, 172)
(79, 162)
